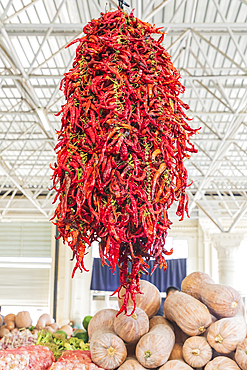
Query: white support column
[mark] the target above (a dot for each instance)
(226, 245)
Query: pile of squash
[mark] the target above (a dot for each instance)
(203, 327)
(23, 320)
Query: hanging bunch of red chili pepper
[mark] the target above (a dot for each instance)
(121, 148)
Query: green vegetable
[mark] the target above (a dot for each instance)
(81, 334)
(85, 321)
(62, 333)
(57, 343)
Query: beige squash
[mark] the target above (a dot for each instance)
(225, 334)
(23, 319)
(155, 320)
(131, 328)
(191, 315)
(102, 319)
(196, 351)
(241, 354)
(221, 300)
(175, 365)
(192, 283)
(177, 352)
(131, 363)
(108, 351)
(180, 336)
(154, 348)
(149, 301)
(222, 363)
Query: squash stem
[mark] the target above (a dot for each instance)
(147, 354)
(218, 338)
(111, 351)
(196, 351)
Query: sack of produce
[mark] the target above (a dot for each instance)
(29, 357)
(71, 360)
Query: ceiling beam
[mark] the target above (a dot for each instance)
(14, 179)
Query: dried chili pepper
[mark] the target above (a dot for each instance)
(121, 148)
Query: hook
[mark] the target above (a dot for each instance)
(121, 3)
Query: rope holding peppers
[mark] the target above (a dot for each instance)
(121, 148)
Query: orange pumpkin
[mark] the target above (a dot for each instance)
(225, 334)
(149, 301)
(222, 363)
(102, 319)
(196, 351)
(177, 352)
(192, 283)
(190, 315)
(175, 365)
(159, 320)
(108, 351)
(131, 327)
(131, 364)
(154, 348)
(241, 354)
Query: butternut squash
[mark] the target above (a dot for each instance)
(225, 334)
(149, 301)
(241, 354)
(154, 348)
(108, 351)
(222, 363)
(190, 315)
(102, 319)
(221, 300)
(177, 352)
(131, 328)
(155, 320)
(131, 364)
(196, 351)
(192, 283)
(175, 365)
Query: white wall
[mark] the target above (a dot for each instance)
(74, 294)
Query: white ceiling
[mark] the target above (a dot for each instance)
(207, 40)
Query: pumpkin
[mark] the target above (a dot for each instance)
(149, 301)
(175, 365)
(67, 329)
(131, 363)
(108, 351)
(155, 320)
(241, 354)
(221, 300)
(23, 320)
(9, 317)
(190, 315)
(222, 363)
(10, 325)
(102, 319)
(192, 283)
(225, 334)
(131, 327)
(196, 351)
(154, 348)
(177, 352)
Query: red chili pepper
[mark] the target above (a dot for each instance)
(121, 148)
